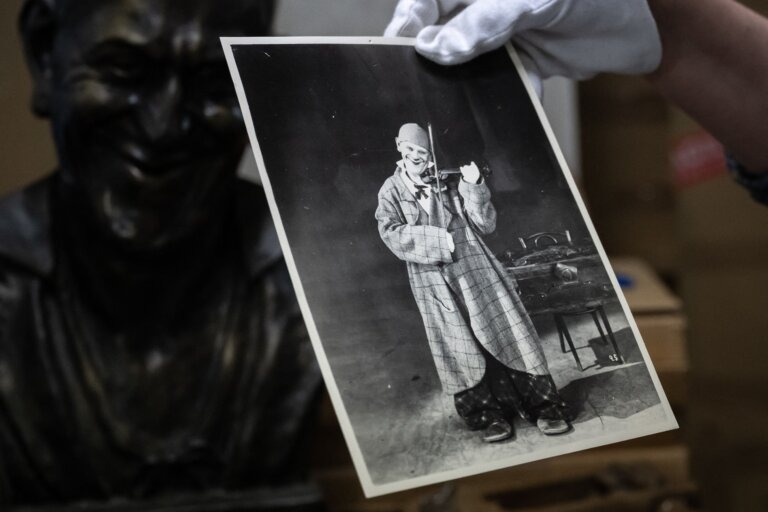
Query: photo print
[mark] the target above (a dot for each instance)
(460, 304)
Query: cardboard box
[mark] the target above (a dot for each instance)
(724, 284)
(658, 313)
(760, 6)
(627, 180)
(659, 316)
(590, 481)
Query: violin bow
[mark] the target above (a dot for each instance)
(437, 173)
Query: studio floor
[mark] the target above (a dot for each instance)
(406, 427)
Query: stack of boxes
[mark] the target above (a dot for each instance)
(658, 189)
(724, 238)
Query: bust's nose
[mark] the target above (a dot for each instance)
(162, 114)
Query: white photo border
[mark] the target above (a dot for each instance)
(370, 489)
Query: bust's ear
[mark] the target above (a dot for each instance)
(37, 24)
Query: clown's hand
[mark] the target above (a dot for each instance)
(470, 173)
(571, 38)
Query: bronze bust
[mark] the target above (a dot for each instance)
(150, 344)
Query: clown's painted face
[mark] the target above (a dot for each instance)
(415, 157)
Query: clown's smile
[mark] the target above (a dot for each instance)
(415, 157)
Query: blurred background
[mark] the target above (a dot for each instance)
(691, 248)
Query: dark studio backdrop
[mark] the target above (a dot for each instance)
(326, 117)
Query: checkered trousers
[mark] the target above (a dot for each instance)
(466, 299)
(504, 393)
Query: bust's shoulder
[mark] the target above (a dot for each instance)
(25, 239)
(25, 260)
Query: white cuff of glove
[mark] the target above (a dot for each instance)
(572, 38)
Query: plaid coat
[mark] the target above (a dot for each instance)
(464, 297)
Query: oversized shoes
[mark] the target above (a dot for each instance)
(552, 427)
(499, 430)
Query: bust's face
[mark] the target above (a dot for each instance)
(147, 126)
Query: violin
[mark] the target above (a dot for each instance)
(452, 174)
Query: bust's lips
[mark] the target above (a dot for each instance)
(153, 165)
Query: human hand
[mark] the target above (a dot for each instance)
(470, 173)
(572, 38)
(451, 244)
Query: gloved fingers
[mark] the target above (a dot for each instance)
(411, 16)
(482, 26)
(580, 38)
(450, 8)
(474, 18)
(574, 38)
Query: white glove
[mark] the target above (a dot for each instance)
(571, 38)
(470, 173)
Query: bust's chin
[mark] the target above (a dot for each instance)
(148, 235)
(146, 218)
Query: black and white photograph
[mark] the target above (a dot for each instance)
(459, 302)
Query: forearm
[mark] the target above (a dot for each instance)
(715, 67)
(427, 245)
(478, 206)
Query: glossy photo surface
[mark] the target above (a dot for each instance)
(459, 302)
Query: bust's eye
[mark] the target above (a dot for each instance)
(124, 70)
(121, 64)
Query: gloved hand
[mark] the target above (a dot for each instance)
(571, 38)
(470, 173)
